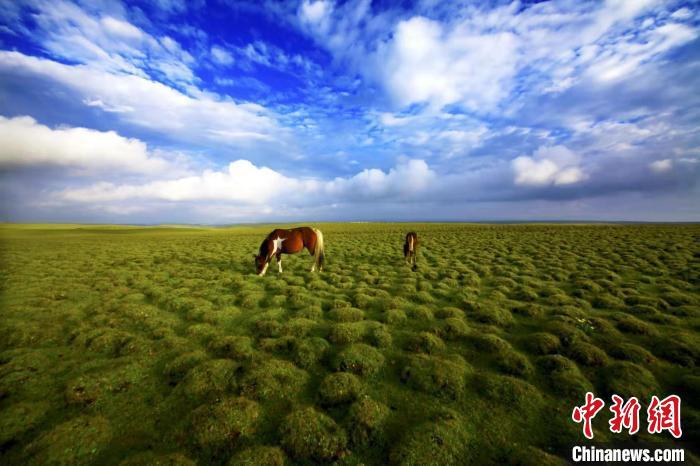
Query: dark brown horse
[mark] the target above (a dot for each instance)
(290, 242)
(410, 249)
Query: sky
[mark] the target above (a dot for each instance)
(220, 111)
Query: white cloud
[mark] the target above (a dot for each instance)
(24, 142)
(661, 166)
(244, 183)
(153, 105)
(107, 42)
(425, 62)
(389, 119)
(553, 165)
(221, 55)
(315, 12)
(121, 28)
(479, 55)
(682, 14)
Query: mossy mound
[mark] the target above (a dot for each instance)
(439, 377)
(346, 314)
(454, 328)
(566, 330)
(273, 378)
(260, 455)
(209, 379)
(420, 313)
(360, 359)
(513, 363)
(394, 316)
(281, 345)
(587, 354)
(629, 324)
(345, 333)
(176, 369)
(298, 327)
(232, 347)
(153, 459)
(524, 293)
(338, 388)
(493, 314)
(425, 342)
(543, 343)
(631, 352)
(363, 301)
(378, 335)
(107, 341)
(83, 390)
(443, 442)
(267, 328)
(509, 390)
(366, 418)
(564, 376)
(449, 312)
(78, 441)
(314, 313)
(680, 348)
(679, 298)
(218, 426)
(202, 332)
(308, 434)
(19, 418)
(528, 310)
(628, 379)
(489, 342)
(309, 351)
(605, 300)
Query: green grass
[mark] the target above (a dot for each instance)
(160, 345)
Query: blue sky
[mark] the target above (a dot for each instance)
(217, 111)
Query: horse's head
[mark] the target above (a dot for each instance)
(259, 264)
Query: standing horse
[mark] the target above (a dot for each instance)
(290, 242)
(410, 248)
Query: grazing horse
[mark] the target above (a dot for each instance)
(290, 242)
(410, 248)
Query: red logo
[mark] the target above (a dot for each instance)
(661, 415)
(665, 415)
(626, 415)
(587, 412)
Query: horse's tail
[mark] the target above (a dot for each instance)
(319, 254)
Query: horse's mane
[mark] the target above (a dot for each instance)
(263, 247)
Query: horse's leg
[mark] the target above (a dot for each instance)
(311, 252)
(279, 262)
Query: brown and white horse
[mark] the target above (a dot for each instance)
(410, 248)
(290, 242)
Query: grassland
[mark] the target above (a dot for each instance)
(160, 345)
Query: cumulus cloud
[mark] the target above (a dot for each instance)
(476, 56)
(150, 104)
(661, 166)
(556, 165)
(24, 142)
(426, 63)
(314, 11)
(221, 56)
(244, 183)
